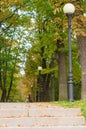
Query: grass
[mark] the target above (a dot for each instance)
(80, 104)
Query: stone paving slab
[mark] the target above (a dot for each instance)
(13, 113)
(46, 128)
(28, 105)
(42, 121)
(14, 105)
(35, 112)
(54, 112)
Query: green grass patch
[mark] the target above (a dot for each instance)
(80, 104)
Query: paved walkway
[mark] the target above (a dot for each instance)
(40, 116)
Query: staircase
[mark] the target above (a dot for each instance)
(40, 116)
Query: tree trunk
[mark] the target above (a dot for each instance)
(62, 73)
(52, 81)
(4, 79)
(52, 89)
(82, 51)
(11, 80)
(46, 91)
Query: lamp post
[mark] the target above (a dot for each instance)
(69, 10)
(39, 83)
(39, 68)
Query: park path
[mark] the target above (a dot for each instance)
(40, 116)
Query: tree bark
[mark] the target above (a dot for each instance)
(52, 89)
(62, 75)
(82, 52)
(52, 80)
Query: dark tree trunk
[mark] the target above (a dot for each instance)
(46, 91)
(62, 74)
(45, 80)
(4, 79)
(82, 51)
(52, 88)
(52, 81)
(43, 77)
(0, 72)
(11, 80)
(10, 87)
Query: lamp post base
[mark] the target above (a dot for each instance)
(70, 87)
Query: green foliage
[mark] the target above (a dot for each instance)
(51, 25)
(29, 33)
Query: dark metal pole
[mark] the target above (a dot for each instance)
(70, 75)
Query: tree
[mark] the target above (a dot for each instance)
(43, 36)
(38, 29)
(82, 53)
(12, 44)
(50, 34)
(80, 28)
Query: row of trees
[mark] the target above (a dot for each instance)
(34, 33)
(13, 37)
(50, 50)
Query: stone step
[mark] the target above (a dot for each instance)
(46, 128)
(35, 112)
(40, 116)
(25, 105)
(10, 113)
(42, 121)
(54, 112)
(14, 105)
